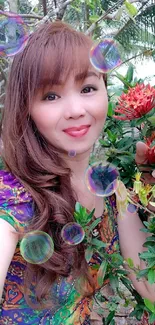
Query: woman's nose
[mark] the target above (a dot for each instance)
(75, 108)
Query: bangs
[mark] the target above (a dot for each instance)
(63, 57)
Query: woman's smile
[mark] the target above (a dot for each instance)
(77, 132)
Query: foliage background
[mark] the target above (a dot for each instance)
(132, 24)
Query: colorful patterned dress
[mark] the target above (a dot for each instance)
(16, 207)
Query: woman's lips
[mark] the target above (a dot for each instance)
(77, 132)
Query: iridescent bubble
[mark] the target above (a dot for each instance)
(102, 179)
(72, 233)
(105, 56)
(131, 208)
(13, 34)
(72, 153)
(37, 247)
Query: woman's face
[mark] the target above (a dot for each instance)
(71, 116)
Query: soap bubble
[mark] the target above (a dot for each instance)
(36, 247)
(131, 208)
(72, 233)
(102, 179)
(13, 34)
(105, 56)
(72, 153)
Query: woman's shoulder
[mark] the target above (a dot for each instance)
(15, 200)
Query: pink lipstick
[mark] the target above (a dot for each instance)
(77, 132)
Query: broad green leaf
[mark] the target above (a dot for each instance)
(149, 243)
(150, 305)
(146, 255)
(142, 273)
(130, 262)
(151, 262)
(101, 273)
(131, 8)
(151, 276)
(152, 319)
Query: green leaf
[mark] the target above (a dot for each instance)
(150, 305)
(124, 142)
(94, 224)
(111, 136)
(114, 281)
(131, 8)
(150, 238)
(122, 272)
(127, 283)
(142, 273)
(101, 273)
(149, 243)
(118, 14)
(77, 207)
(104, 143)
(146, 255)
(110, 109)
(98, 243)
(116, 259)
(121, 78)
(93, 18)
(130, 71)
(151, 276)
(152, 319)
(89, 217)
(109, 318)
(130, 262)
(89, 253)
(152, 120)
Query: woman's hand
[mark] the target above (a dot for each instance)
(148, 174)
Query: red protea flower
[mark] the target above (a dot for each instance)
(136, 103)
(151, 150)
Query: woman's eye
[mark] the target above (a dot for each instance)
(51, 97)
(88, 89)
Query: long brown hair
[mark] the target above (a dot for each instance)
(54, 51)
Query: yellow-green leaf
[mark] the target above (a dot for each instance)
(131, 8)
(101, 273)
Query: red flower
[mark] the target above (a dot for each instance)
(151, 150)
(136, 103)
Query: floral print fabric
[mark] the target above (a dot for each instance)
(16, 207)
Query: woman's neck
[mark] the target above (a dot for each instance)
(78, 166)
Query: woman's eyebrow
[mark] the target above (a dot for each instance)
(82, 76)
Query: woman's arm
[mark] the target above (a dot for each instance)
(8, 242)
(131, 243)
